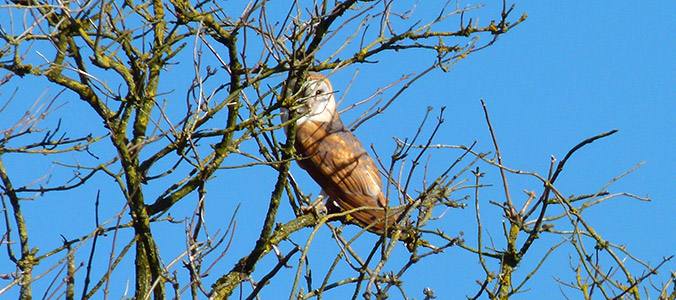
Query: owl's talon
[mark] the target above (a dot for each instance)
(317, 207)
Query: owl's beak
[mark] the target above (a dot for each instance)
(303, 109)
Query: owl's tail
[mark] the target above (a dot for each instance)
(377, 220)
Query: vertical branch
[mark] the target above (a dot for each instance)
(93, 249)
(27, 260)
(477, 176)
(70, 275)
(510, 258)
(225, 285)
(498, 155)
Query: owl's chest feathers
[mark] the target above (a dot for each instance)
(312, 136)
(309, 136)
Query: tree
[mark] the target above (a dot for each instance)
(123, 62)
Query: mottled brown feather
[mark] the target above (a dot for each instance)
(337, 161)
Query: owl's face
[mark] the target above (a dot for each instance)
(318, 102)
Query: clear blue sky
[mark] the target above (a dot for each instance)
(571, 71)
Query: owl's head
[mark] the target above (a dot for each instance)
(317, 101)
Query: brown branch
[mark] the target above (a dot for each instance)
(547, 188)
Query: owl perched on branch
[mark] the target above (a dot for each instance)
(336, 160)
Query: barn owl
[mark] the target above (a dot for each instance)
(335, 158)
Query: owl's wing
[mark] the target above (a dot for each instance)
(337, 161)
